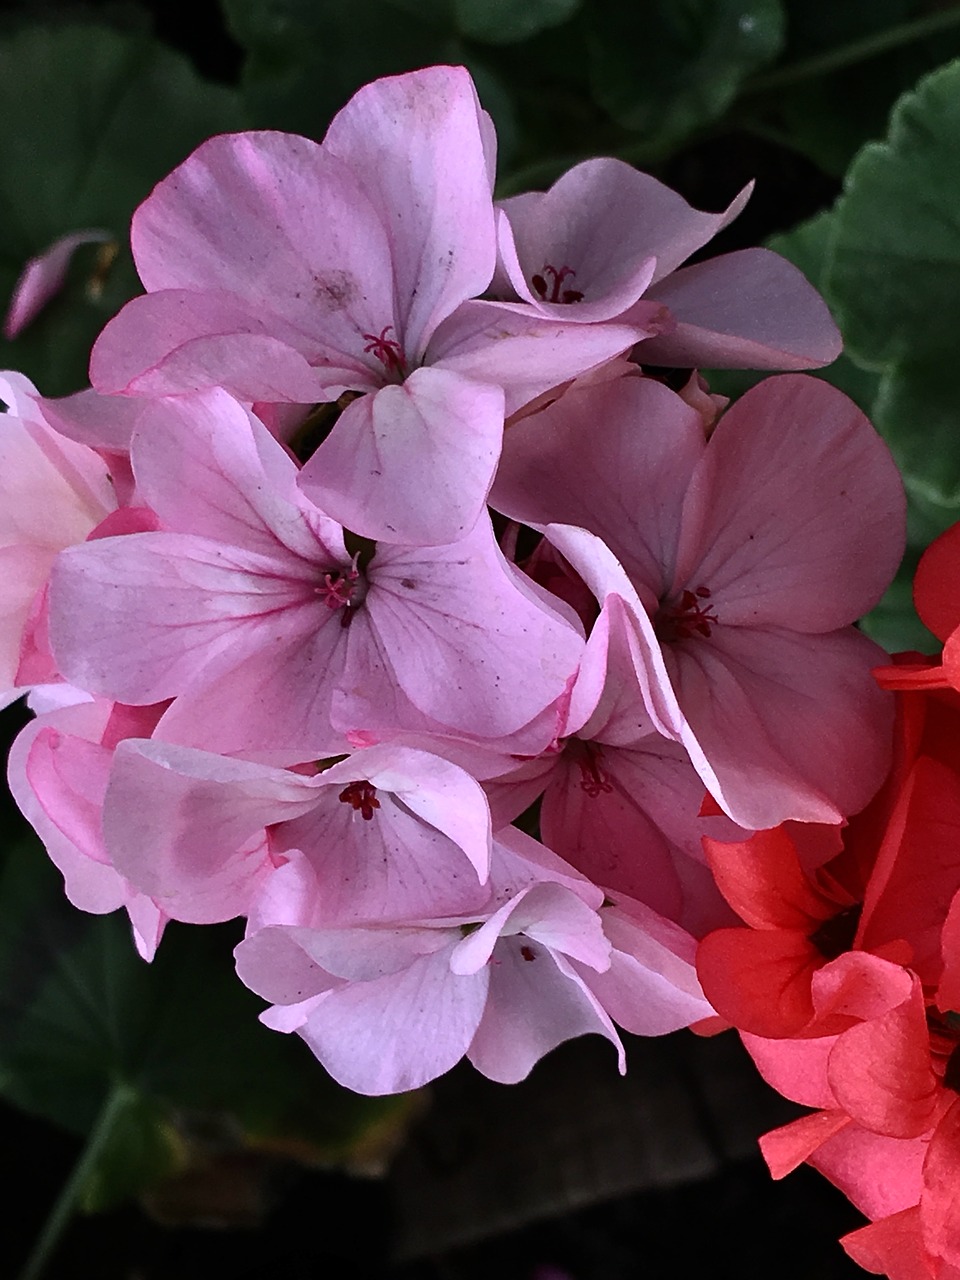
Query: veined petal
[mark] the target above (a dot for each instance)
(411, 463)
(750, 309)
(415, 143)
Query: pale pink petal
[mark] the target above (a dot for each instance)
(795, 514)
(273, 964)
(42, 279)
(489, 655)
(206, 599)
(187, 827)
(602, 212)
(400, 1031)
(783, 725)
(434, 790)
(585, 459)
(240, 216)
(102, 422)
(413, 462)
(520, 862)
(527, 354)
(592, 222)
(178, 341)
(207, 466)
(415, 143)
(536, 1001)
(546, 913)
(651, 987)
(58, 814)
(751, 309)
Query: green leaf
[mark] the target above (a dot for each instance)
(505, 21)
(306, 59)
(835, 106)
(895, 273)
(668, 68)
(90, 120)
(81, 1015)
(895, 278)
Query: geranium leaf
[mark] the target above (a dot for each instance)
(665, 69)
(81, 1015)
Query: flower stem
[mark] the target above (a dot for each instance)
(847, 55)
(62, 1211)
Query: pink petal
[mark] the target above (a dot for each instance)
(602, 212)
(400, 1031)
(42, 279)
(187, 827)
(178, 341)
(239, 217)
(489, 656)
(651, 987)
(894, 1247)
(536, 1002)
(940, 1205)
(207, 466)
(879, 1175)
(751, 309)
(411, 463)
(273, 964)
(415, 143)
(592, 220)
(100, 632)
(581, 460)
(435, 791)
(525, 353)
(789, 726)
(786, 1148)
(795, 514)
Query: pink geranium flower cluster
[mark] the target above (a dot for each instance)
(384, 532)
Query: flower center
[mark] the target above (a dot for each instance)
(363, 797)
(686, 618)
(341, 589)
(836, 935)
(587, 755)
(557, 276)
(387, 350)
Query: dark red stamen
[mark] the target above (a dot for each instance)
(687, 618)
(527, 953)
(559, 275)
(363, 796)
(387, 350)
(593, 780)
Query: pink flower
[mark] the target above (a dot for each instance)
(387, 832)
(606, 236)
(283, 270)
(55, 492)
(749, 556)
(58, 772)
(249, 610)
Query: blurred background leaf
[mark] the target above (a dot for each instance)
(90, 119)
(81, 1014)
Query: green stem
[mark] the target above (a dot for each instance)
(847, 55)
(104, 1125)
